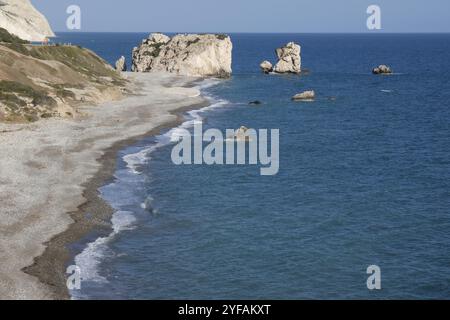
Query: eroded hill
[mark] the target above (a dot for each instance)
(51, 81)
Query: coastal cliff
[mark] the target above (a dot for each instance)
(205, 55)
(22, 19)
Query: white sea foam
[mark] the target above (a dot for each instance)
(123, 220)
(208, 83)
(134, 160)
(89, 260)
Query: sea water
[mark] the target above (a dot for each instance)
(364, 180)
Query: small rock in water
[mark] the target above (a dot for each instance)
(241, 134)
(121, 64)
(306, 96)
(382, 69)
(266, 67)
(289, 59)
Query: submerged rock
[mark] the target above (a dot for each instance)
(306, 95)
(382, 69)
(201, 55)
(266, 67)
(289, 60)
(121, 64)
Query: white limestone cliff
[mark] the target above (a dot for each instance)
(22, 19)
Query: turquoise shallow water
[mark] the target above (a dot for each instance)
(364, 179)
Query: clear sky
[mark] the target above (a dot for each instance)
(249, 15)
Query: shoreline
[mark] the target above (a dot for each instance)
(48, 267)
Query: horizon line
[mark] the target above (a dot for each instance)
(246, 32)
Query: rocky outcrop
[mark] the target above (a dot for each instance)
(156, 38)
(382, 69)
(241, 134)
(306, 95)
(121, 64)
(266, 67)
(289, 60)
(206, 55)
(20, 18)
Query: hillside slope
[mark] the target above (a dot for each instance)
(51, 81)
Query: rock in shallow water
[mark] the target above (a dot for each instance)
(306, 95)
(241, 134)
(202, 55)
(266, 66)
(289, 60)
(382, 69)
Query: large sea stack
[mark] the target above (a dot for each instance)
(202, 55)
(289, 59)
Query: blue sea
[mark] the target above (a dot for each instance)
(364, 180)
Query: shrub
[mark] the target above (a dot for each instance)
(7, 37)
(18, 47)
(193, 41)
(12, 88)
(221, 36)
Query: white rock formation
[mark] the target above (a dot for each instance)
(306, 95)
(382, 69)
(289, 60)
(20, 18)
(241, 134)
(121, 64)
(156, 38)
(266, 66)
(206, 55)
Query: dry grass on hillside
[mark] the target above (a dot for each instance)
(51, 81)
